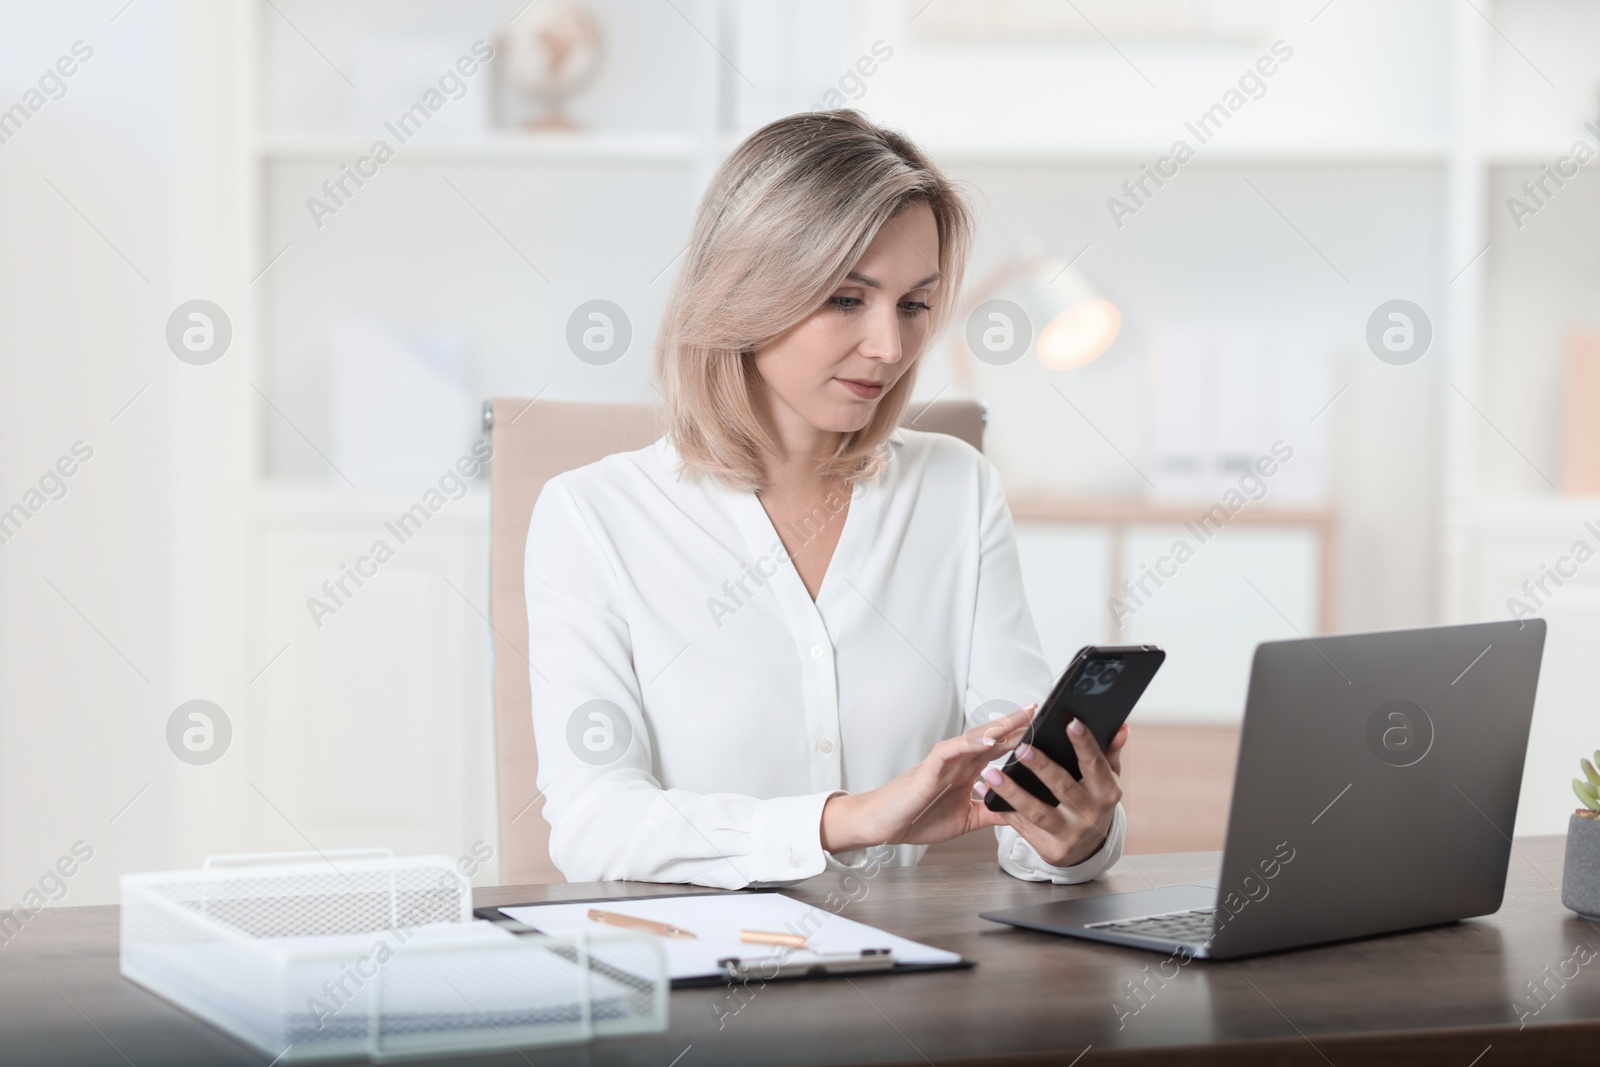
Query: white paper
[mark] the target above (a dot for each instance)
(717, 919)
(401, 414)
(1181, 423)
(1241, 405)
(1220, 399)
(1305, 389)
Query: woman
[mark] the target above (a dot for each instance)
(756, 643)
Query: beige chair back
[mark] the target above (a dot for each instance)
(532, 443)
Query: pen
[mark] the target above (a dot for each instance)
(763, 937)
(611, 918)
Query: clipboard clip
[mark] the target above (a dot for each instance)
(770, 968)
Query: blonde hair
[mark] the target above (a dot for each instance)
(785, 218)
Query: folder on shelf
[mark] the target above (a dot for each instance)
(835, 945)
(1580, 466)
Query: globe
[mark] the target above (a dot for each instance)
(552, 50)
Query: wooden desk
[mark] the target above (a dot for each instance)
(1439, 996)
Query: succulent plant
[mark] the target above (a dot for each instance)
(1588, 787)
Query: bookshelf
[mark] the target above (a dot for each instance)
(664, 122)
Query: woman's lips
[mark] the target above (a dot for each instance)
(864, 389)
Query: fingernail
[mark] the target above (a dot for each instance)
(983, 789)
(1025, 752)
(991, 776)
(1075, 727)
(988, 742)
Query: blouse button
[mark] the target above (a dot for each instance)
(816, 651)
(825, 746)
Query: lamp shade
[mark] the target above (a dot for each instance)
(1080, 323)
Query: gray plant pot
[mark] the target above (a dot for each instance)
(1580, 876)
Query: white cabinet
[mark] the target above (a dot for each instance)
(1065, 579)
(471, 247)
(1242, 587)
(1505, 549)
(1208, 606)
(374, 728)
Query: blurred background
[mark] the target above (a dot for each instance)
(239, 339)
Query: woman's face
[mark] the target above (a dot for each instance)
(829, 370)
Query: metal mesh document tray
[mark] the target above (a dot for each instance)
(366, 954)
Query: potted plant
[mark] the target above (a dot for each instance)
(1580, 878)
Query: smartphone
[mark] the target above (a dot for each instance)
(1100, 686)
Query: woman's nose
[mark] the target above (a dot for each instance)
(882, 340)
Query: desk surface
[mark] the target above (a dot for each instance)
(1441, 996)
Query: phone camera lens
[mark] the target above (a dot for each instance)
(1099, 675)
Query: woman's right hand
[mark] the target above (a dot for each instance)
(932, 801)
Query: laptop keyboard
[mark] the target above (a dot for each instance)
(1185, 927)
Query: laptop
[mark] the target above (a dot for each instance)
(1375, 792)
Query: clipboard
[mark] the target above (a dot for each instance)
(838, 945)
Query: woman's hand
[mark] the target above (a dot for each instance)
(1068, 833)
(932, 801)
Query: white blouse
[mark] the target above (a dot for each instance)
(694, 708)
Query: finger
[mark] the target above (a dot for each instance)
(1022, 802)
(1114, 751)
(1047, 770)
(1100, 790)
(1075, 801)
(972, 749)
(955, 767)
(992, 745)
(982, 818)
(1005, 743)
(993, 738)
(1092, 763)
(1004, 725)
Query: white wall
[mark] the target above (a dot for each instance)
(1367, 72)
(156, 540)
(87, 623)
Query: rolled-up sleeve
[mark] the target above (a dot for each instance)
(1008, 664)
(610, 817)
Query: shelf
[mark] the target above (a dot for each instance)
(285, 499)
(1522, 511)
(1533, 153)
(1431, 150)
(686, 148)
(1135, 510)
(487, 148)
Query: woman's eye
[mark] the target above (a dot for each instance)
(911, 308)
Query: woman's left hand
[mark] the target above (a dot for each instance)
(1070, 832)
